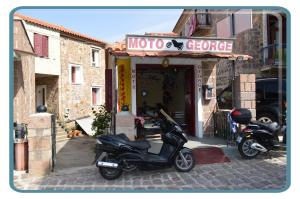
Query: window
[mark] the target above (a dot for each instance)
(235, 23)
(224, 28)
(41, 45)
(225, 99)
(96, 96)
(242, 20)
(76, 74)
(204, 17)
(95, 57)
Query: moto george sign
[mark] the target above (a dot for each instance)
(177, 44)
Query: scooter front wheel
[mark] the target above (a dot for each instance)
(184, 161)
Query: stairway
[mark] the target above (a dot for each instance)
(61, 134)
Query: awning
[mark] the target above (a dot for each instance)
(86, 125)
(230, 56)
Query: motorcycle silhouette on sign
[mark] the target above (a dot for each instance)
(176, 44)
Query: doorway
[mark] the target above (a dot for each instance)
(41, 92)
(171, 88)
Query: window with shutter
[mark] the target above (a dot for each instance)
(38, 44)
(73, 71)
(41, 45)
(224, 28)
(45, 46)
(95, 96)
(95, 59)
(75, 74)
(242, 20)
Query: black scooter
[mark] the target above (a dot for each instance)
(116, 153)
(256, 137)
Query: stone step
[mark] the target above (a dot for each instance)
(61, 132)
(62, 139)
(61, 135)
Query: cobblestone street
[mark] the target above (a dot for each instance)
(263, 173)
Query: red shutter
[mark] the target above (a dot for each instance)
(38, 44)
(94, 96)
(73, 71)
(45, 46)
(108, 89)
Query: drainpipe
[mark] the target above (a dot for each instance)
(115, 96)
(280, 65)
(233, 101)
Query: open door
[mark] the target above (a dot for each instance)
(189, 91)
(41, 95)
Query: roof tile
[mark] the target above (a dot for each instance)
(57, 28)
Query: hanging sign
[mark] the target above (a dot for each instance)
(124, 83)
(178, 44)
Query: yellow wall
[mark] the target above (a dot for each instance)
(124, 83)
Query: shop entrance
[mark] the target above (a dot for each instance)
(171, 88)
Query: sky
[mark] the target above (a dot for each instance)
(109, 25)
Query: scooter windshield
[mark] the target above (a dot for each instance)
(168, 117)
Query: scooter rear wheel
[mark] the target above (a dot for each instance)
(245, 148)
(185, 161)
(110, 173)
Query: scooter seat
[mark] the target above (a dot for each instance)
(122, 138)
(272, 127)
(143, 144)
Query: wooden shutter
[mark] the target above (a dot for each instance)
(45, 46)
(108, 89)
(224, 28)
(73, 72)
(242, 20)
(38, 44)
(94, 96)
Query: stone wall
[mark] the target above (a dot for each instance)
(77, 98)
(209, 78)
(21, 40)
(39, 144)
(24, 88)
(245, 93)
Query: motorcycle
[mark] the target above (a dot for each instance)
(116, 153)
(256, 137)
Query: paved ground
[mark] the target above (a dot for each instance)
(263, 173)
(78, 152)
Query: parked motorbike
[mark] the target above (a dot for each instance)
(116, 153)
(256, 137)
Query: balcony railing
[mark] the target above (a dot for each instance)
(204, 19)
(270, 54)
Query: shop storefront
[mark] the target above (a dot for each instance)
(169, 72)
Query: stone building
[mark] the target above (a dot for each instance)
(24, 89)
(69, 71)
(256, 33)
(87, 90)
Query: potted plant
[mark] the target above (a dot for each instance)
(101, 121)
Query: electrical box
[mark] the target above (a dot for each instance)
(207, 92)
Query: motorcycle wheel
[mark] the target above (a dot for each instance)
(184, 166)
(110, 173)
(245, 149)
(169, 44)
